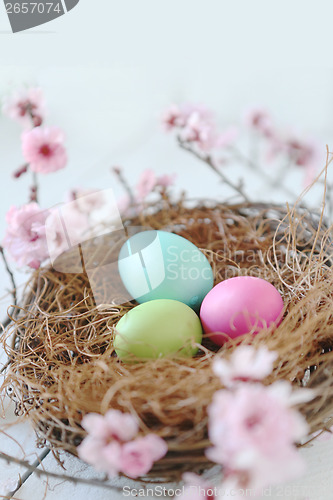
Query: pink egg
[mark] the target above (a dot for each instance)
(239, 305)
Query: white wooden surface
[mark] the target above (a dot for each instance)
(108, 69)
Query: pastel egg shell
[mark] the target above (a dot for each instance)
(163, 265)
(158, 328)
(239, 305)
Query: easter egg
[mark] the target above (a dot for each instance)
(161, 265)
(158, 328)
(238, 306)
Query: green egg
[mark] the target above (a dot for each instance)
(158, 328)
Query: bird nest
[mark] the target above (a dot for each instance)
(63, 364)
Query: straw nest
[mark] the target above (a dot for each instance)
(62, 361)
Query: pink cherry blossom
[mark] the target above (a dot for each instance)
(103, 455)
(110, 445)
(146, 183)
(302, 152)
(204, 113)
(259, 119)
(109, 458)
(177, 116)
(259, 471)
(173, 117)
(43, 149)
(25, 106)
(65, 227)
(124, 204)
(113, 425)
(307, 154)
(166, 180)
(255, 425)
(200, 131)
(138, 456)
(238, 423)
(245, 363)
(196, 125)
(86, 200)
(288, 396)
(128, 207)
(25, 237)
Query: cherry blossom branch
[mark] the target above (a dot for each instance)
(36, 120)
(64, 477)
(206, 158)
(7, 321)
(118, 172)
(28, 473)
(34, 188)
(238, 155)
(11, 275)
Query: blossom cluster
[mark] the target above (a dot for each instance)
(253, 427)
(44, 152)
(25, 238)
(195, 126)
(42, 147)
(25, 106)
(112, 445)
(147, 184)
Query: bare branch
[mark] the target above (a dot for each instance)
(34, 188)
(63, 477)
(11, 275)
(206, 158)
(117, 171)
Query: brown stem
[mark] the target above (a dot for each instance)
(28, 473)
(34, 188)
(11, 275)
(273, 183)
(117, 171)
(64, 477)
(36, 120)
(206, 158)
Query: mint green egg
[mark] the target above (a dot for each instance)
(162, 265)
(156, 329)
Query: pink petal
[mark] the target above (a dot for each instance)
(122, 426)
(43, 149)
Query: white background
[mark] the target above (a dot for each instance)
(109, 68)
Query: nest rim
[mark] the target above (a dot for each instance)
(60, 434)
